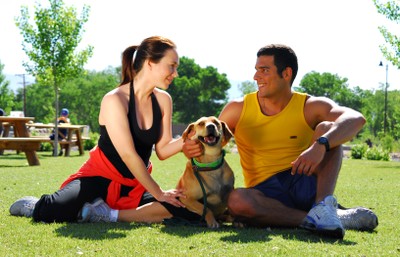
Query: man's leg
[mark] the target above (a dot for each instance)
(250, 206)
(328, 169)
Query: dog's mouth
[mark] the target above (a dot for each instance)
(210, 140)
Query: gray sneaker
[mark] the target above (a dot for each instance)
(358, 218)
(97, 211)
(323, 219)
(24, 206)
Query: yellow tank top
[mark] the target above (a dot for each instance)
(268, 144)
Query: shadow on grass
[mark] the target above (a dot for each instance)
(96, 231)
(107, 231)
(249, 235)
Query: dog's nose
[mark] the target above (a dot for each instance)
(210, 128)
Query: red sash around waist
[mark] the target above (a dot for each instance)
(99, 165)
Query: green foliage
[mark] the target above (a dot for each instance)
(391, 50)
(387, 143)
(6, 94)
(358, 151)
(197, 91)
(92, 142)
(377, 154)
(50, 45)
(331, 86)
(82, 96)
(362, 151)
(247, 87)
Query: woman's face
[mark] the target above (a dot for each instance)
(166, 69)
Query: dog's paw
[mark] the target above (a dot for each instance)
(214, 225)
(238, 224)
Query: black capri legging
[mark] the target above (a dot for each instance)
(65, 204)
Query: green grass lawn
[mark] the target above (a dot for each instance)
(372, 184)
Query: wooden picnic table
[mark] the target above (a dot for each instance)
(22, 140)
(73, 138)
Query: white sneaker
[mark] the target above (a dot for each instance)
(97, 211)
(358, 218)
(323, 219)
(24, 206)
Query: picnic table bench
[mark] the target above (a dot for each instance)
(22, 141)
(74, 135)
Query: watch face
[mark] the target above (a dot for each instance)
(322, 140)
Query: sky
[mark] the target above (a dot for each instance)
(336, 36)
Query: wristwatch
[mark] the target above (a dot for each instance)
(324, 141)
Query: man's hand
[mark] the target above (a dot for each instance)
(192, 148)
(308, 161)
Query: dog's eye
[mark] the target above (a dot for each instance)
(216, 123)
(201, 123)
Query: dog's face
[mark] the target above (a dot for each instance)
(210, 131)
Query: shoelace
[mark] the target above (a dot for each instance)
(29, 206)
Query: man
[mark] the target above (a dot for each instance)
(290, 152)
(62, 133)
(2, 113)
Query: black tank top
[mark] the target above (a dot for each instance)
(142, 139)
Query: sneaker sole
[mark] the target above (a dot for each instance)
(336, 233)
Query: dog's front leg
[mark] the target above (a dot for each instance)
(197, 207)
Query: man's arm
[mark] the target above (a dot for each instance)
(230, 114)
(346, 123)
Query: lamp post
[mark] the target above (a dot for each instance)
(386, 87)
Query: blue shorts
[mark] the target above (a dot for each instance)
(295, 191)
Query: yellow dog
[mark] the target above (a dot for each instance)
(208, 178)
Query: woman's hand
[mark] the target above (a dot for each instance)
(171, 196)
(192, 148)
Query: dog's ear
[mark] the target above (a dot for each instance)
(187, 131)
(227, 133)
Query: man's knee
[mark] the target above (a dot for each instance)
(239, 203)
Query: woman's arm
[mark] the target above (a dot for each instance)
(113, 114)
(166, 146)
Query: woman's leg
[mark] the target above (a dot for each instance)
(65, 204)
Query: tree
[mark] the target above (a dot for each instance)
(83, 95)
(197, 91)
(51, 45)
(247, 87)
(331, 86)
(6, 94)
(391, 51)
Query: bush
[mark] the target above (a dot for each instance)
(358, 151)
(92, 142)
(46, 147)
(377, 153)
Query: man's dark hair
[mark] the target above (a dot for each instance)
(284, 57)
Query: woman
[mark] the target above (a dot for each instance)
(133, 118)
